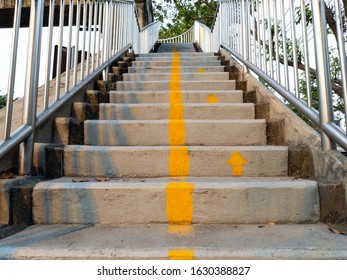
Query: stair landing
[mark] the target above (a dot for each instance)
(153, 242)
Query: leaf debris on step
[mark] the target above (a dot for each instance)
(101, 179)
(7, 175)
(79, 180)
(336, 231)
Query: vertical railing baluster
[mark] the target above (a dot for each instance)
(323, 69)
(60, 49)
(278, 65)
(245, 32)
(284, 40)
(68, 56)
(12, 71)
(342, 54)
(295, 52)
(49, 54)
(306, 54)
(84, 34)
(31, 85)
(78, 21)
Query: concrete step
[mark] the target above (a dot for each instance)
(153, 161)
(184, 85)
(183, 76)
(170, 54)
(297, 242)
(169, 69)
(176, 47)
(182, 58)
(169, 63)
(155, 132)
(191, 96)
(160, 111)
(214, 200)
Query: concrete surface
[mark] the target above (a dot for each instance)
(267, 242)
(184, 76)
(182, 47)
(159, 111)
(167, 69)
(170, 54)
(191, 96)
(215, 200)
(329, 168)
(183, 58)
(184, 85)
(155, 132)
(153, 161)
(169, 63)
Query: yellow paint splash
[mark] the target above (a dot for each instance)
(180, 230)
(200, 70)
(212, 99)
(182, 254)
(237, 161)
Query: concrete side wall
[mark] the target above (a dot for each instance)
(329, 168)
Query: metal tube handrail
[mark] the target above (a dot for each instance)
(178, 37)
(115, 30)
(282, 53)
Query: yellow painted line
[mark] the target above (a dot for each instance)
(182, 254)
(179, 203)
(179, 199)
(212, 98)
(174, 47)
(180, 230)
(237, 161)
(179, 161)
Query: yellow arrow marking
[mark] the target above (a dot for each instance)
(201, 70)
(212, 99)
(237, 161)
(182, 254)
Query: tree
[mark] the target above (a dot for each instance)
(181, 14)
(3, 99)
(335, 71)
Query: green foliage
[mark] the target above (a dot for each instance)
(179, 15)
(3, 99)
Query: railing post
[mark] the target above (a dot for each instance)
(106, 34)
(323, 77)
(31, 85)
(245, 32)
(12, 73)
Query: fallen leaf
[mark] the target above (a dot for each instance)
(336, 231)
(272, 223)
(7, 175)
(80, 180)
(101, 179)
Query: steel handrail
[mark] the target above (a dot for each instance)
(109, 28)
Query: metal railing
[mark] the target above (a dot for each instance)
(99, 30)
(186, 37)
(286, 44)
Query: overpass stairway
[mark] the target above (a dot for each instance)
(175, 166)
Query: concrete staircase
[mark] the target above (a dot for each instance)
(176, 166)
